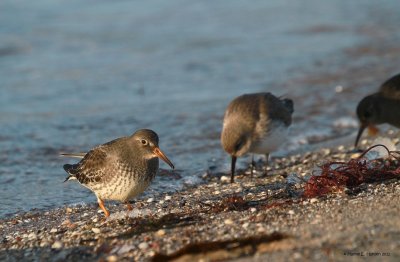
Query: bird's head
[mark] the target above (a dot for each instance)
(146, 141)
(235, 139)
(235, 142)
(368, 113)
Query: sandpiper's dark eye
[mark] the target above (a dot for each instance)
(144, 142)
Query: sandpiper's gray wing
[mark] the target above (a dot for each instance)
(391, 88)
(93, 168)
(98, 165)
(243, 105)
(277, 109)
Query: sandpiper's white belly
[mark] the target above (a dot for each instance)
(271, 141)
(138, 189)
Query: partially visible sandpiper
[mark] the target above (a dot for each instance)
(380, 107)
(255, 123)
(120, 169)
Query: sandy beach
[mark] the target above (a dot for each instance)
(255, 219)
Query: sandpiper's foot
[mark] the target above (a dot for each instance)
(101, 204)
(128, 206)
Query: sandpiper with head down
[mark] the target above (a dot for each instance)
(380, 107)
(255, 123)
(120, 169)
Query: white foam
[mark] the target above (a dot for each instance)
(345, 122)
(300, 140)
(339, 89)
(83, 204)
(191, 180)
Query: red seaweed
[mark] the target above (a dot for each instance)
(335, 176)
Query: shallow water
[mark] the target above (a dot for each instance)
(75, 74)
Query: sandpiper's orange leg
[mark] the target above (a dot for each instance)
(129, 206)
(101, 204)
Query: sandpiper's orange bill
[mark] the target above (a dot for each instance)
(161, 155)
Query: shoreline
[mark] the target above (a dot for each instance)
(255, 218)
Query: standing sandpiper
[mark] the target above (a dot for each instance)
(380, 107)
(120, 169)
(255, 123)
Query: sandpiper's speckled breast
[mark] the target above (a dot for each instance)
(125, 181)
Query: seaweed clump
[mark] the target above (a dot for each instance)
(336, 176)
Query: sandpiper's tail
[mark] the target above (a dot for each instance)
(288, 103)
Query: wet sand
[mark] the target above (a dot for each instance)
(255, 219)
